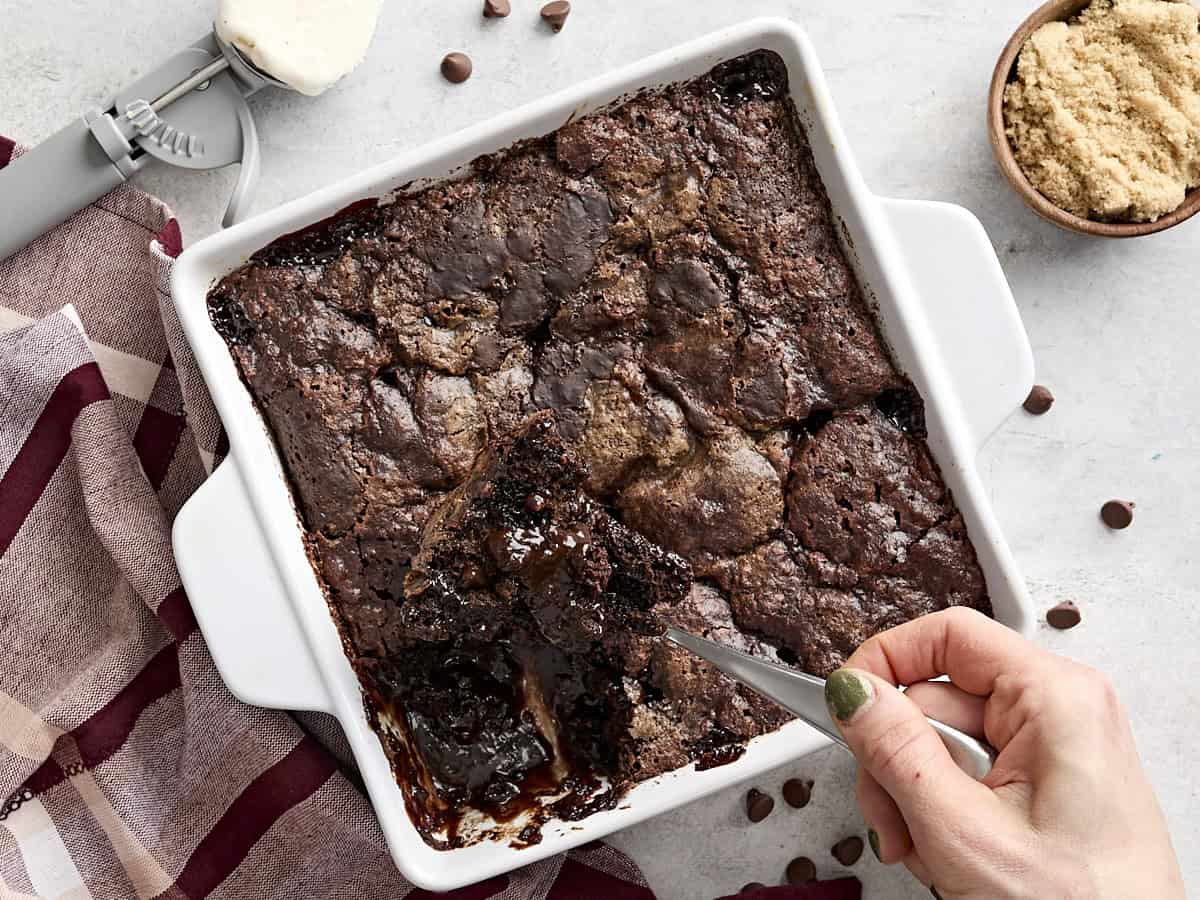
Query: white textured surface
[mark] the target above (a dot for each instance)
(1114, 326)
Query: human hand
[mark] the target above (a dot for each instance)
(1065, 813)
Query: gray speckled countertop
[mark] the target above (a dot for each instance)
(1114, 326)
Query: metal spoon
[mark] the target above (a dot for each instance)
(804, 696)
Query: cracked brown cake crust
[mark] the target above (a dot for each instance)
(665, 279)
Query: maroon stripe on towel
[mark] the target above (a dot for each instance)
(171, 238)
(576, 879)
(39, 457)
(481, 890)
(107, 729)
(46, 776)
(155, 442)
(176, 613)
(289, 782)
(6, 151)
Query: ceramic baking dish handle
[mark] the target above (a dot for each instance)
(239, 602)
(970, 308)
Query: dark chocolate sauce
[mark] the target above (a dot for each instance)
(472, 735)
(537, 594)
(323, 241)
(719, 748)
(904, 408)
(230, 319)
(756, 76)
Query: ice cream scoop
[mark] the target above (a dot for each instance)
(190, 112)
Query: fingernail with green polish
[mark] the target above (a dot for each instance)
(846, 692)
(873, 840)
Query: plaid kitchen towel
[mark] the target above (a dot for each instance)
(129, 770)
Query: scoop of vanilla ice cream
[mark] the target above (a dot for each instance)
(308, 44)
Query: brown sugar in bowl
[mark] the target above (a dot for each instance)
(1006, 67)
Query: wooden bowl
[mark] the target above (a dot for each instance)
(1006, 71)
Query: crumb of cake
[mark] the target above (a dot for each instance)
(1104, 116)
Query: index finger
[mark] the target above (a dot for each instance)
(960, 642)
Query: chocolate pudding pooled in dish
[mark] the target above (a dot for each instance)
(520, 570)
(616, 378)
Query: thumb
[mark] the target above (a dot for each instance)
(892, 740)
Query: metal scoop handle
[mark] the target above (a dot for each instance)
(75, 167)
(804, 696)
(106, 147)
(50, 184)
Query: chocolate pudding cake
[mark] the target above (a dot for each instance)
(613, 379)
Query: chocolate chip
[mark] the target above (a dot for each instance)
(758, 805)
(1117, 513)
(752, 886)
(797, 792)
(456, 67)
(535, 503)
(848, 850)
(1063, 616)
(496, 9)
(555, 14)
(1039, 400)
(800, 870)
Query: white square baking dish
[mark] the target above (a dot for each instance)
(946, 312)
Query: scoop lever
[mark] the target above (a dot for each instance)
(804, 696)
